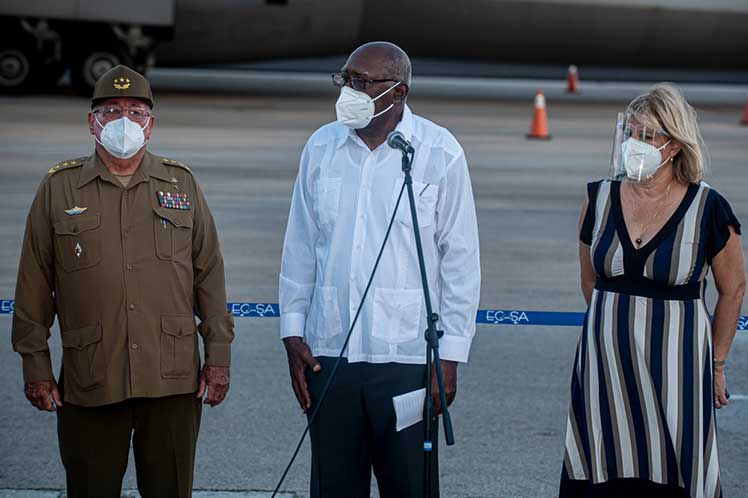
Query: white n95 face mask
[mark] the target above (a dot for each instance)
(641, 160)
(122, 138)
(355, 109)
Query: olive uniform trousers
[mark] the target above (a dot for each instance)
(95, 445)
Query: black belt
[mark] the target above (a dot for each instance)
(647, 288)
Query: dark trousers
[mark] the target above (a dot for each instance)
(95, 443)
(355, 432)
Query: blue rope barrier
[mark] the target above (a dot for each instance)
(490, 317)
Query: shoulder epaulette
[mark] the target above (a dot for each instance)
(174, 162)
(70, 163)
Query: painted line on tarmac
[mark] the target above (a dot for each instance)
(240, 494)
(486, 316)
(131, 493)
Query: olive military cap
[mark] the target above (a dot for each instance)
(121, 81)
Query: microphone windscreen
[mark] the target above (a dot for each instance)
(392, 139)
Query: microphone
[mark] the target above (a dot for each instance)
(396, 140)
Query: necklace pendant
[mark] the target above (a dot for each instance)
(639, 241)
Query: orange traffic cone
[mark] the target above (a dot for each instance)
(744, 121)
(572, 80)
(539, 127)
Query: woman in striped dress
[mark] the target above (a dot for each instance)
(650, 363)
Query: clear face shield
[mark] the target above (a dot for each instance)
(637, 150)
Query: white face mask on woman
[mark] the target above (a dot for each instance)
(641, 160)
(122, 138)
(355, 109)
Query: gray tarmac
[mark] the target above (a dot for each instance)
(512, 398)
(264, 81)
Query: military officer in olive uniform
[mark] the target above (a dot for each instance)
(122, 247)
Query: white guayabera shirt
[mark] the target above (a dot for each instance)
(342, 202)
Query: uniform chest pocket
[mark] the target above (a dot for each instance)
(426, 195)
(172, 233)
(328, 200)
(78, 242)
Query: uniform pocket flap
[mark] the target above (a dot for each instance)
(177, 217)
(82, 337)
(76, 225)
(178, 325)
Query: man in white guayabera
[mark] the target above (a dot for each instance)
(348, 184)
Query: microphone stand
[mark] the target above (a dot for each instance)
(432, 336)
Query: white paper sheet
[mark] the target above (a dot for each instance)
(409, 408)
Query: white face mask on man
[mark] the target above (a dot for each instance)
(122, 138)
(355, 109)
(641, 160)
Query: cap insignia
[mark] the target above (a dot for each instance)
(121, 83)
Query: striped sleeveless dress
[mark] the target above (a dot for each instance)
(642, 416)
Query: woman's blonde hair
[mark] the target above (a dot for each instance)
(665, 108)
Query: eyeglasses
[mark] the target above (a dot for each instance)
(357, 82)
(644, 134)
(107, 114)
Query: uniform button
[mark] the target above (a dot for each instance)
(132, 306)
(129, 267)
(135, 346)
